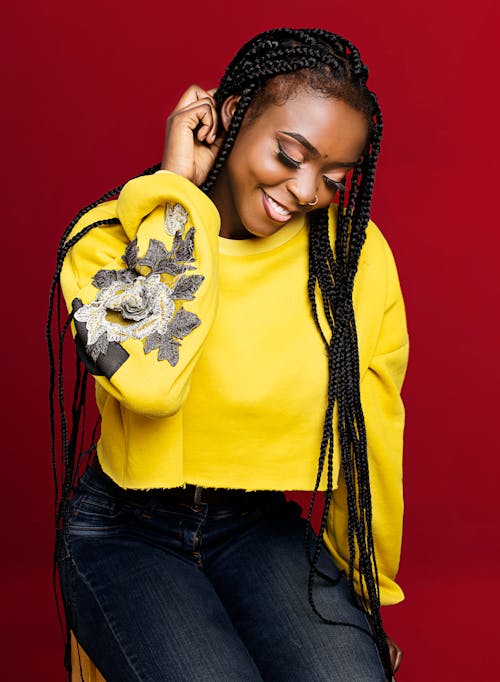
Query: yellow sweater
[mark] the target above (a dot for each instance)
(209, 368)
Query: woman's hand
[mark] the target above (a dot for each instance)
(191, 142)
(395, 653)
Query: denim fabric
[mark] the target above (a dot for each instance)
(192, 593)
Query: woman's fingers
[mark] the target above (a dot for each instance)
(199, 115)
(192, 95)
(191, 142)
(395, 653)
(197, 111)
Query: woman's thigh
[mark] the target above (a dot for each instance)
(142, 612)
(262, 581)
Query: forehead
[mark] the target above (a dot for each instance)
(330, 125)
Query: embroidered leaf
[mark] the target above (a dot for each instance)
(100, 346)
(160, 260)
(153, 342)
(130, 256)
(104, 278)
(186, 287)
(126, 276)
(171, 267)
(183, 323)
(168, 348)
(155, 254)
(183, 249)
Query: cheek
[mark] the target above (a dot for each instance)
(253, 162)
(270, 170)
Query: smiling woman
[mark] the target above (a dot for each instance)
(289, 160)
(247, 336)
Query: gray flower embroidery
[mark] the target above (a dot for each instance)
(145, 307)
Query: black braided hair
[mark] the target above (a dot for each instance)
(269, 69)
(67, 444)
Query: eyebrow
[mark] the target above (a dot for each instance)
(312, 149)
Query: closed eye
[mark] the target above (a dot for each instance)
(334, 184)
(286, 159)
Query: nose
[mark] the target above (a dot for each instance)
(303, 189)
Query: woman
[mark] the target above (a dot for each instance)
(247, 336)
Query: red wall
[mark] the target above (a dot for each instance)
(85, 93)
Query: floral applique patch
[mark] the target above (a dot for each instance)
(133, 305)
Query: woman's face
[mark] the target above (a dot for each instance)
(283, 159)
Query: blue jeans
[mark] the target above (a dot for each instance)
(206, 593)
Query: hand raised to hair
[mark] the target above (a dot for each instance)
(191, 142)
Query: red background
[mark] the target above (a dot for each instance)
(85, 92)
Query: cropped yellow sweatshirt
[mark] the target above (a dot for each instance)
(209, 368)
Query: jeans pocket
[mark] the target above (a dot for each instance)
(94, 511)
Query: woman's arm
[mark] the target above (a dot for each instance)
(144, 291)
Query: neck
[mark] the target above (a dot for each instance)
(222, 197)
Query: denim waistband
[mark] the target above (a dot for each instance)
(191, 495)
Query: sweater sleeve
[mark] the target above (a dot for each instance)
(144, 290)
(384, 418)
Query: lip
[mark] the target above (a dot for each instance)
(271, 211)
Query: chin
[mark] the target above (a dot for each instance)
(263, 227)
(261, 231)
(255, 222)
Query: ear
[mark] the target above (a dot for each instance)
(227, 110)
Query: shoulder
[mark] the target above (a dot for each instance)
(376, 259)
(376, 249)
(377, 297)
(103, 211)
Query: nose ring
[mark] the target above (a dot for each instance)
(313, 203)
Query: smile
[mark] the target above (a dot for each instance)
(274, 210)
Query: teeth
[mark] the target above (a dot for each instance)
(279, 209)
